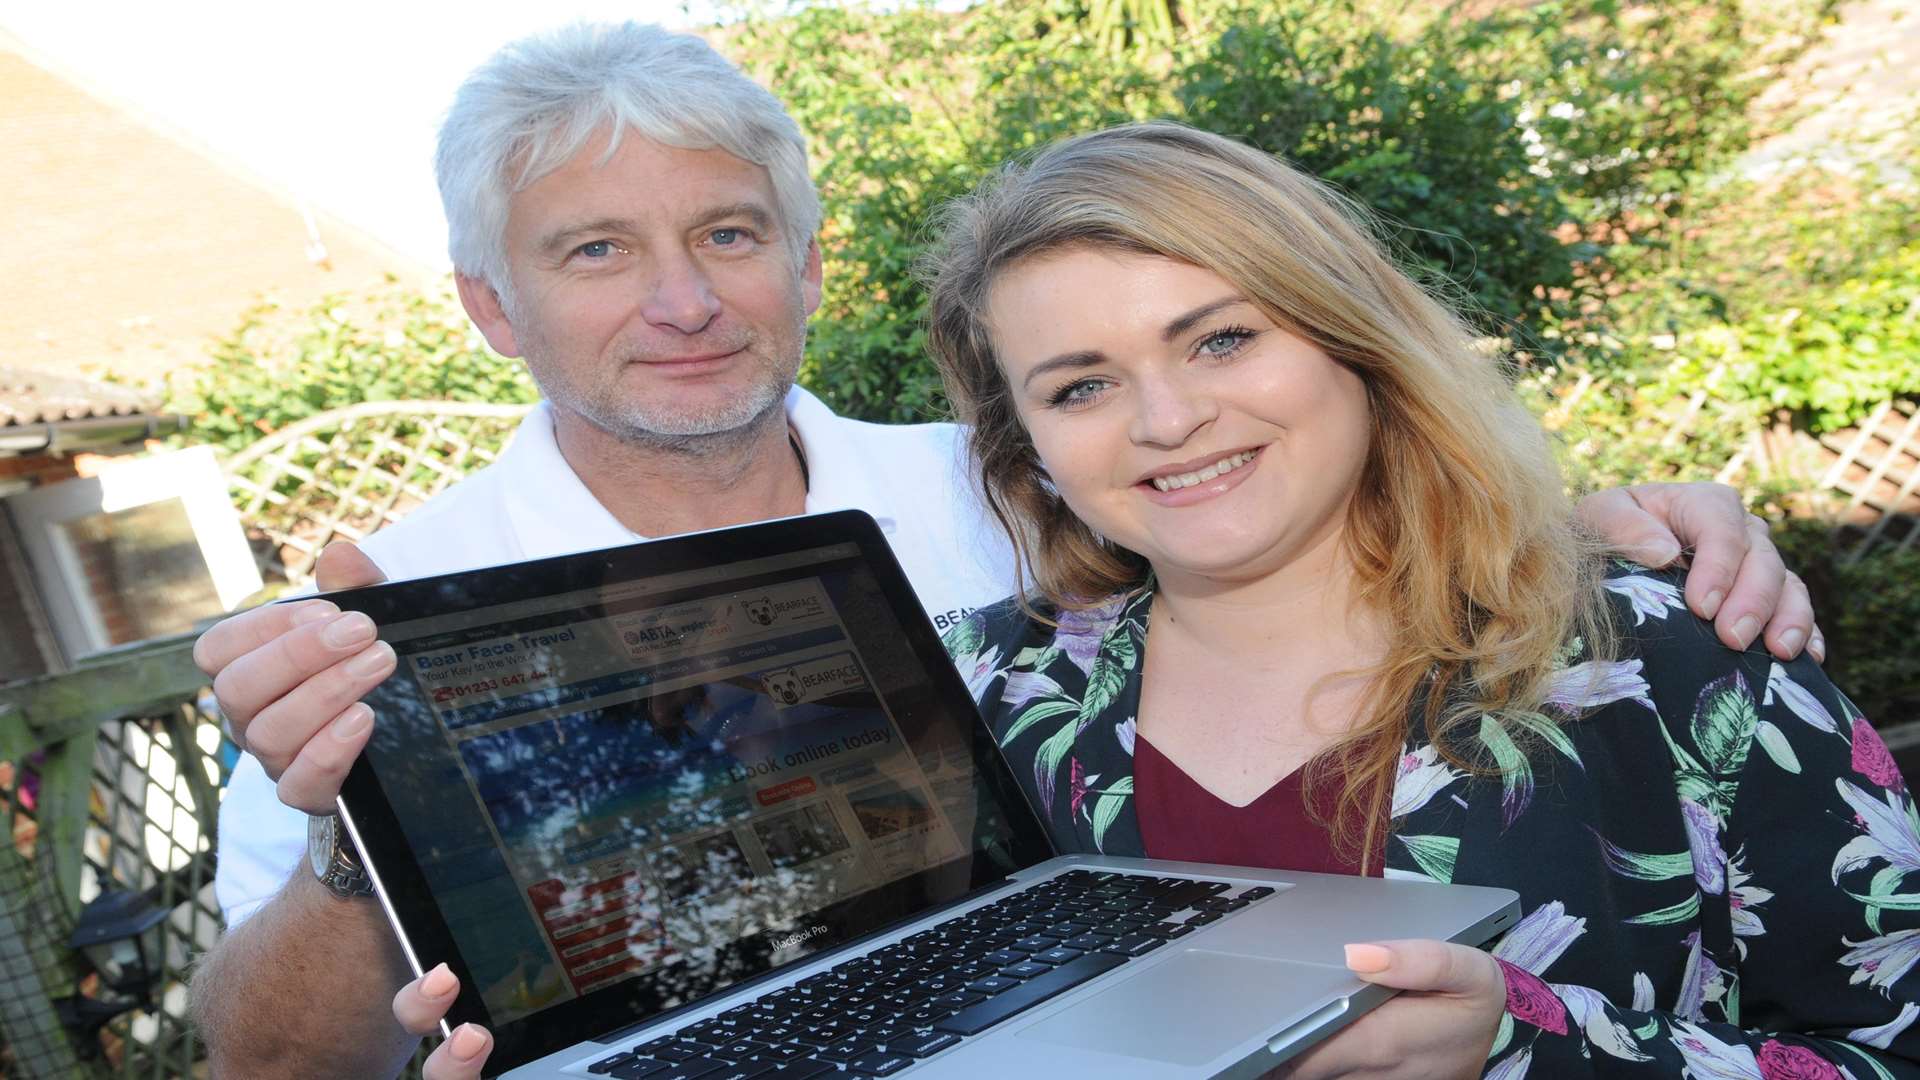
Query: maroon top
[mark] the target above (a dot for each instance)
(1179, 819)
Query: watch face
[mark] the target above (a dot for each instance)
(320, 844)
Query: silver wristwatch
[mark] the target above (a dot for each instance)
(335, 862)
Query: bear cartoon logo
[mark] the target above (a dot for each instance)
(760, 611)
(783, 686)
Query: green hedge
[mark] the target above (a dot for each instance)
(389, 342)
(1803, 289)
(1869, 611)
(1835, 353)
(1485, 145)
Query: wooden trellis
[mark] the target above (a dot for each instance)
(1876, 466)
(348, 472)
(1866, 478)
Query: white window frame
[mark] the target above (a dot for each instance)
(191, 476)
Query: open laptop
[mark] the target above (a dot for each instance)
(719, 806)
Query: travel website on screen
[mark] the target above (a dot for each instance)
(661, 781)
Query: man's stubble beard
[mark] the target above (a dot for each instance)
(715, 431)
(701, 434)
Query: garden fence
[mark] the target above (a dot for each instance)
(346, 473)
(1865, 479)
(1874, 472)
(108, 780)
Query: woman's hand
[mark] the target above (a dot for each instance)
(1440, 1027)
(420, 1005)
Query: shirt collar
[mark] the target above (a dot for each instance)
(549, 509)
(840, 478)
(551, 512)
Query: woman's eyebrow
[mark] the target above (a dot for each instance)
(1082, 359)
(1089, 357)
(1193, 318)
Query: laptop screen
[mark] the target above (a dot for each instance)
(624, 781)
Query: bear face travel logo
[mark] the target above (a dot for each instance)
(760, 611)
(783, 686)
(813, 679)
(784, 606)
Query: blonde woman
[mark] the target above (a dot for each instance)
(1302, 589)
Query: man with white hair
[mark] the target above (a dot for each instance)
(633, 217)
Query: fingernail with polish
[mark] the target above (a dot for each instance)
(468, 1042)
(1746, 629)
(372, 662)
(350, 629)
(1368, 959)
(438, 983)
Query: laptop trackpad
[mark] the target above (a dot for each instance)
(1194, 1007)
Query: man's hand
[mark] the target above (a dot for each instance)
(289, 678)
(420, 1005)
(1735, 576)
(1440, 1027)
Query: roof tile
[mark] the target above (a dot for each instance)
(36, 397)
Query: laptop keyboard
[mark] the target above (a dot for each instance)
(878, 1014)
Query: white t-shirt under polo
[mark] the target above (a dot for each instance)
(530, 505)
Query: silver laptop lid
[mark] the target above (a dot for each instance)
(606, 786)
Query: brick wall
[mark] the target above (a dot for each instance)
(36, 469)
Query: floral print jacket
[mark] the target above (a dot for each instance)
(1711, 848)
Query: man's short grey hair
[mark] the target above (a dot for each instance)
(534, 105)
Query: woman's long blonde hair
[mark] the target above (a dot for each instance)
(1461, 528)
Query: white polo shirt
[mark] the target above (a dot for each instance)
(530, 505)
